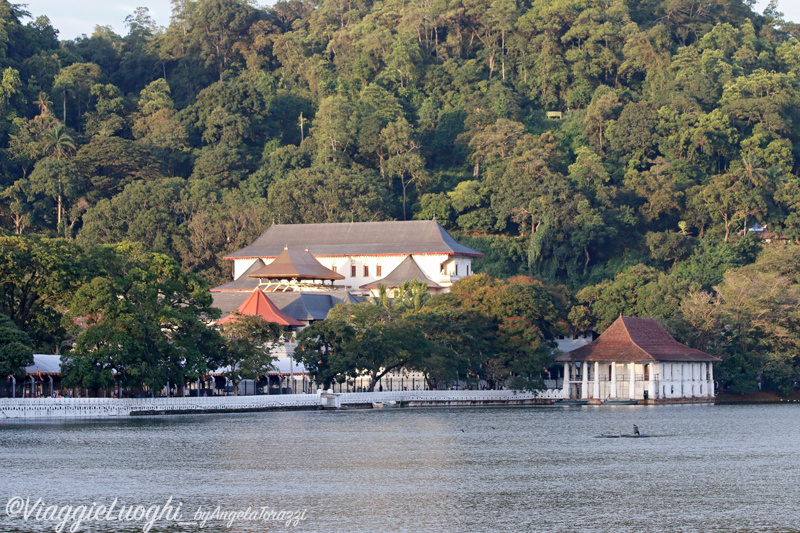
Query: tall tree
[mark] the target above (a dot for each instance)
(140, 321)
(248, 347)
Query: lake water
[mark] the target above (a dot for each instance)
(705, 468)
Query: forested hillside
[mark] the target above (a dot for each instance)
(678, 130)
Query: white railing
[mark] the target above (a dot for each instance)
(110, 407)
(449, 395)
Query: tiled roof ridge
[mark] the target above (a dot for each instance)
(630, 337)
(392, 237)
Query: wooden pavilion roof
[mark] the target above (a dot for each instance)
(294, 264)
(635, 340)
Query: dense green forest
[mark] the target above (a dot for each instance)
(615, 150)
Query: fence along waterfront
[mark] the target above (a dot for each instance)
(28, 408)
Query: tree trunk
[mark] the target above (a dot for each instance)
(586, 264)
(404, 184)
(503, 53)
(727, 228)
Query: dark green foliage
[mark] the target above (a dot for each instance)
(141, 322)
(504, 257)
(38, 276)
(16, 350)
(486, 328)
(679, 129)
(248, 344)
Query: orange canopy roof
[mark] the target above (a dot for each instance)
(257, 304)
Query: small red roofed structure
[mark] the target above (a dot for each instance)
(259, 305)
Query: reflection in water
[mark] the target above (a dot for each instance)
(724, 468)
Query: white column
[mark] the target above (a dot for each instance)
(710, 380)
(613, 393)
(565, 385)
(596, 391)
(632, 382)
(584, 380)
(684, 372)
(650, 378)
(702, 378)
(668, 371)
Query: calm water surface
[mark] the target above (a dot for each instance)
(706, 468)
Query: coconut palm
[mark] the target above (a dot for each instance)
(59, 142)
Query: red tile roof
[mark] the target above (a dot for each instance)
(636, 340)
(259, 305)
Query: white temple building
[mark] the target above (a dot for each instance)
(636, 359)
(366, 254)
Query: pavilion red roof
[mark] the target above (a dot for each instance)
(635, 340)
(257, 304)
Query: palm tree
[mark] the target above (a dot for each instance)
(382, 298)
(44, 103)
(59, 144)
(753, 170)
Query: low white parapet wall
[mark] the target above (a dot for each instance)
(28, 408)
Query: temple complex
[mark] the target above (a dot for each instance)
(292, 290)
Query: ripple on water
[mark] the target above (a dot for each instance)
(707, 468)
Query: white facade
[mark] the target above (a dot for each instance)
(601, 381)
(360, 270)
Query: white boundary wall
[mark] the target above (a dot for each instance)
(34, 408)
